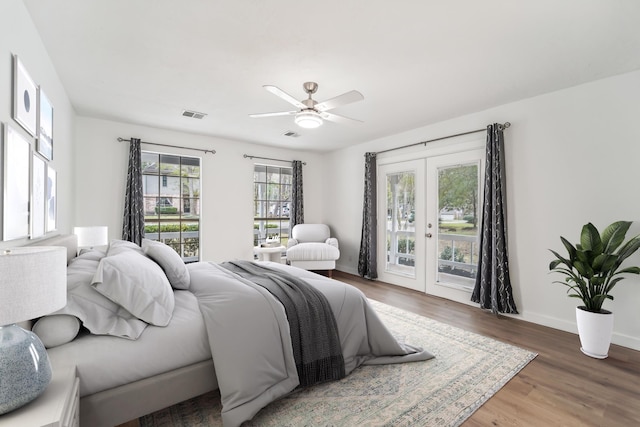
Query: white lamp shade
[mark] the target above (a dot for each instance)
(33, 282)
(92, 236)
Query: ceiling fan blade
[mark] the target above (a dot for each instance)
(337, 118)
(279, 113)
(344, 99)
(284, 95)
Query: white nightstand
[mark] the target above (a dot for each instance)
(58, 406)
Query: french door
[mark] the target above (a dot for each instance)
(401, 245)
(453, 216)
(428, 221)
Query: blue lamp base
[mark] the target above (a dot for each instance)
(25, 370)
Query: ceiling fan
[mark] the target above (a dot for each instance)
(311, 113)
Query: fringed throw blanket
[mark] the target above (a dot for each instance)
(313, 328)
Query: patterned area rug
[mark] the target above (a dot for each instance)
(467, 370)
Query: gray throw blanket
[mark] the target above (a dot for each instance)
(313, 328)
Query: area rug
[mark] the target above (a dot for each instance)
(467, 370)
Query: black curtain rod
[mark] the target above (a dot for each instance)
(246, 156)
(504, 126)
(169, 145)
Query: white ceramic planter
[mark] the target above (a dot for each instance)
(595, 331)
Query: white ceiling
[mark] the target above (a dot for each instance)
(416, 62)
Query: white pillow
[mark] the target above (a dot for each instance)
(137, 284)
(167, 258)
(120, 246)
(98, 314)
(56, 329)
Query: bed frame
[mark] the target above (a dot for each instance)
(130, 401)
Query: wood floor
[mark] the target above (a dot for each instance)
(560, 387)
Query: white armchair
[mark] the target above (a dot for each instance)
(311, 247)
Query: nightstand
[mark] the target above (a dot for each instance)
(58, 406)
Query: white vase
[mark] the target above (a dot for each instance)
(595, 330)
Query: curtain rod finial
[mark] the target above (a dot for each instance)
(507, 124)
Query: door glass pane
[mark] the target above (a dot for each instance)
(458, 224)
(400, 236)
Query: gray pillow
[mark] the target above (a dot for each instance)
(98, 314)
(137, 284)
(57, 329)
(167, 258)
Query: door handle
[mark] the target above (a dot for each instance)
(429, 235)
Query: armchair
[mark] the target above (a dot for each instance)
(311, 247)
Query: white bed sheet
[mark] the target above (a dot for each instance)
(105, 362)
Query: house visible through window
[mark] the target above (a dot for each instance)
(171, 186)
(271, 203)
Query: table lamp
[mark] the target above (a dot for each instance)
(89, 237)
(33, 282)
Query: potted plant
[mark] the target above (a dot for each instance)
(592, 268)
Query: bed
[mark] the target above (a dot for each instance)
(155, 332)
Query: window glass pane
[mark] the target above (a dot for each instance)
(400, 223)
(190, 167)
(150, 162)
(169, 165)
(260, 173)
(458, 247)
(170, 186)
(287, 176)
(190, 187)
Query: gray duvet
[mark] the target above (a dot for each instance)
(250, 343)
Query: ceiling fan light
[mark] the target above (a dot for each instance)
(308, 119)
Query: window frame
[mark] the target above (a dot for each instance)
(178, 188)
(271, 220)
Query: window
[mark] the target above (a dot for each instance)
(171, 186)
(271, 203)
(458, 248)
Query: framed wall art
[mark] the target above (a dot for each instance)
(17, 153)
(51, 199)
(45, 127)
(25, 104)
(38, 182)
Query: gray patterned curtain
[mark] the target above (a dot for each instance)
(367, 261)
(493, 285)
(133, 222)
(297, 207)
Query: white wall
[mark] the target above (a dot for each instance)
(227, 182)
(572, 156)
(19, 36)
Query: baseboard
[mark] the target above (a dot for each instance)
(544, 320)
(570, 326)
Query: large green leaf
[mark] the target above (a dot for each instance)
(629, 270)
(613, 235)
(571, 250)
(583, 268)
(604, 262)
(590, 239)
(628, 249)
(560, 260)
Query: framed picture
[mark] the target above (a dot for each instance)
(45, 126)
(51, 199)
(25, 104)
(38, 181)
(17, 153)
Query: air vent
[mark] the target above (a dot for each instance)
(193, 114)
(292, 134)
